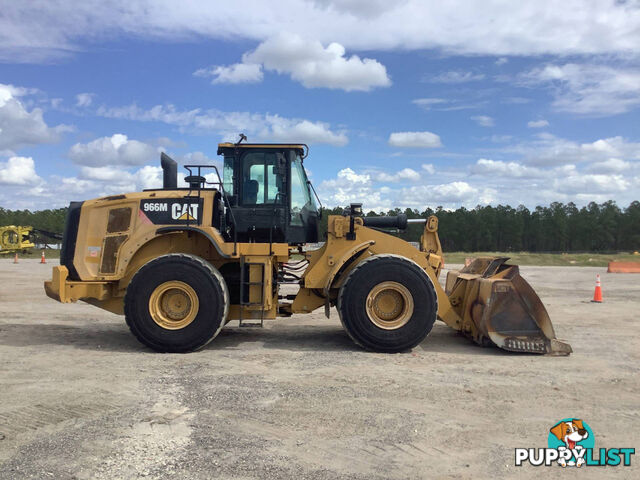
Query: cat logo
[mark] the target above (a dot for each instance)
(186, 211)
(170, 211)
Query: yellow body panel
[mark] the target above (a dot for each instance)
(140, 241)
(328, 265)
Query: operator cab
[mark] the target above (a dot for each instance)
(269, 194)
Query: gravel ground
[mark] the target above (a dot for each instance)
(80, 398)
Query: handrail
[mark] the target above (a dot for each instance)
(273, 216)
(224, 197)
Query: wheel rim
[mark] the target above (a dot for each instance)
(173, 305)
(389, 305)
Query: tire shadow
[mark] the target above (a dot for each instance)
(300, 338)
(97, 337)
(116, 337)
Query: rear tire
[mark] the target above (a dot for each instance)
(387, 304)
(176, 303)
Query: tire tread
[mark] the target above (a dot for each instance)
(372, 260)
(187, 258)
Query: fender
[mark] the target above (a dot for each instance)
(336, 268)
(197, 230)
(132, 262)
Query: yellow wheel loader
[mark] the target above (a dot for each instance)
(15, 239)
(180, 263)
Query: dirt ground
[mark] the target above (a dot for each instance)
(80, 398)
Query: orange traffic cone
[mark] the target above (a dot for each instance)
(15, 259)
(597, 295)
(42, 260)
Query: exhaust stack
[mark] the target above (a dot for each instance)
(169, 172)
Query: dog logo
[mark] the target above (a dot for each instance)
(571, 444)
(573, 434)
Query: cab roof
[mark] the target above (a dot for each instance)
(222, 147)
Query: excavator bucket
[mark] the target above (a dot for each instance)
(499, 307)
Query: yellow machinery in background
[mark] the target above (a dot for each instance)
(15, 239)
(180, 263)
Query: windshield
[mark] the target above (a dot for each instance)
(300, 195)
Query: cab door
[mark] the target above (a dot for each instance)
(259, 191)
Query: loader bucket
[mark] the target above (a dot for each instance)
(499, 307)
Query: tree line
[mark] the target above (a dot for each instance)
(558, 227)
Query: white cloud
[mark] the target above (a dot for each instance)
(448, 195)
(428, 103)
(501, 61)
(100, 181)
(515, 100)
(114, 150)
(228, 124)
(555, 169)
(592, 184)
(307, 62)
(415, 139)
(429, 168)
(485, 182)
(349, 186)
(375, 193)
(457, 76)
(483, 120)
(103, 174)
(611, 165)
(589, 89)
(18, 179)
(195, 158)
(366, 9)
(313, 65)
(8, 92)
(236, 73)
(91, 182)
(18, 171)
(499, 138)
(38, 31)
(549, 150)
(537, 124)
(447, 104)
(149, 177)
(486, 166)
(20, 127)
(84, 99)
(286, 130)
(404, 175)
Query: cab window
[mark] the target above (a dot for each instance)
(261, 183)
(300, 196)
(227, 175)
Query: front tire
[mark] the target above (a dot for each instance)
(176, 303)
(387, 304)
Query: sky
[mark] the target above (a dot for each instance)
(408, 103)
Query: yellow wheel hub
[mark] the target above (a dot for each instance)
(389, 305)
(173, 305)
